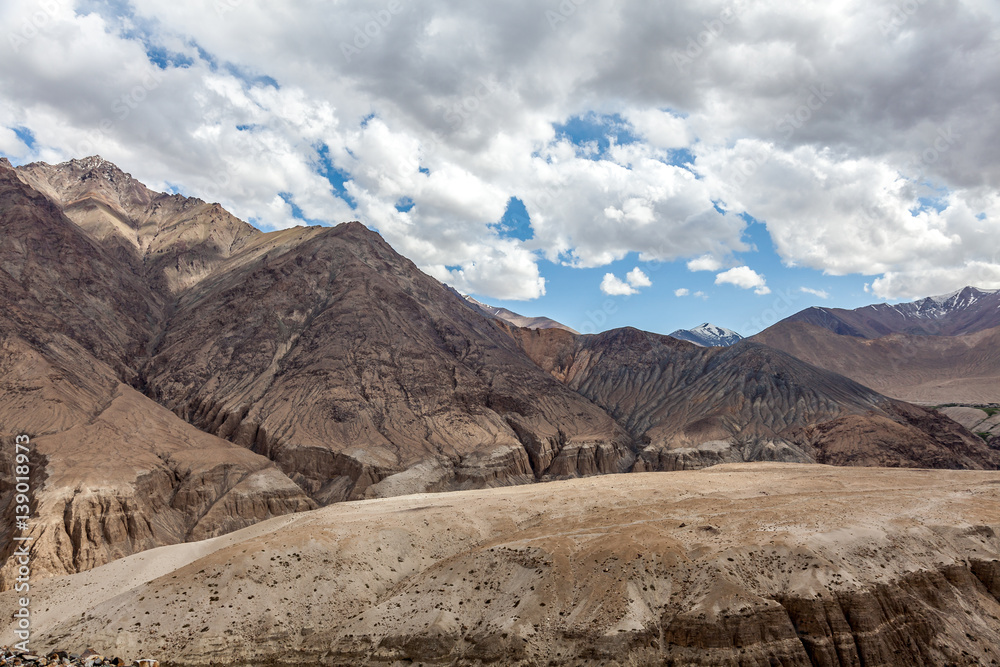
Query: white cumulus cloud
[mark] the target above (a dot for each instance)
(744, 277)
(636, 278)
(704, 263)
(615, 286)
(346, 111)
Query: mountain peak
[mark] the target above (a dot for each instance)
(177, 239)
(958, 299)
(516, 319)
(708, 335)
(90, 162)
(963, 311)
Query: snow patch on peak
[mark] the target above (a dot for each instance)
(708, 335)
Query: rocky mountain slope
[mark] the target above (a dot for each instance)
(936, 350)
(170, 240)
(773, 564)
(692, 406)
(966, 311)
(115, 472)
(982, 420)
(183, 374)
(918, 368)
(708, 335)
(336, 357)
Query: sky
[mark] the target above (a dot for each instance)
(604, 163)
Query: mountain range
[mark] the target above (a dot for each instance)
(515, 319)
(937, 350)
(708, 335)
(187, 378)
(965, 311)
(232, 375)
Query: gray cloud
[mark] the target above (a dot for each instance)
(836, 113)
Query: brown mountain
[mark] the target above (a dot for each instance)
(919, 368)
(771, 564)
(968, 310)
(359, 374)
(318, 365)
(516, 319)
(114, 473)
(691, 406)
(170, 240)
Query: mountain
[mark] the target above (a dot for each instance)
(171, 241)
(183, 375)
(708, 335)
(113, 472)
(922, 369)
(771, 564)
(515, 319)
(333, 355)
(689, 406)
(936, 350)
(968, 310)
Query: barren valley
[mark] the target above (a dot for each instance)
(751, 564)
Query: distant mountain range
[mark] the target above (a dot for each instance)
(942, 349)
(515, 319)
(708, 335)
(184, 375)
(967, 310)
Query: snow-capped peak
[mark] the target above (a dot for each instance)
(708, 335)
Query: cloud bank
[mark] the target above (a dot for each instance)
(854, 131)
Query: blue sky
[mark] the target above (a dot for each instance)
(573, 295)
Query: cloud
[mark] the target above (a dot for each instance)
(704, 263)
(684, 291)
(744, 277)
(615, 286)
(815, 292)
(636, 278)
(177, 95)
